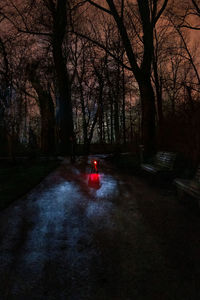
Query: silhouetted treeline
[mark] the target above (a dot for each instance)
(115, 72)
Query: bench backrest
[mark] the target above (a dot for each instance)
(165, 160)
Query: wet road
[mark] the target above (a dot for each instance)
(69, 240)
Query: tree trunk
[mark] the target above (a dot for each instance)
(47, 128)
(158, 86)
(116, 118)
(92, 131)
(123, 107)
(47, 115)
(148, 116)
(84, 123)
(64, 115)
(107, 128)
(111, 120)
(101, 111)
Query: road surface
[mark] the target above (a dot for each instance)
(121, 240)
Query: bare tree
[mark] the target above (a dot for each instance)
(48, 27)
(148, 13)
(46, 107)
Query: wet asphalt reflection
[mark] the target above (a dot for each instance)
(51, 241)
(118, 238)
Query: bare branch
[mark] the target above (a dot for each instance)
(34, 32)
(102, 47)
(24, 30)
(160, 12)
(196, 6)
(99, 6)
(190, 27)
(187, 50)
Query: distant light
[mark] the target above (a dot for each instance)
(95, 162)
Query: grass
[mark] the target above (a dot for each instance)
(17, 180)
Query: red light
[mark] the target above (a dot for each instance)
(95, 162)
(94, 181)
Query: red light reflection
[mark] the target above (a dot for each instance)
(94, 180)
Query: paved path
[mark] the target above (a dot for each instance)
(122, 240)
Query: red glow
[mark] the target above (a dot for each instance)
(94, 180)
(95, 162)
(94, 177)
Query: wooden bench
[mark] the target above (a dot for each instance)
(189, 186)
(163, 162)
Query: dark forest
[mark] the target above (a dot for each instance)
(99, 149)
(111, 73)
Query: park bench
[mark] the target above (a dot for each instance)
(163, 162)
(189, 186)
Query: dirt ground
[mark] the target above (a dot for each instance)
(122, 239)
